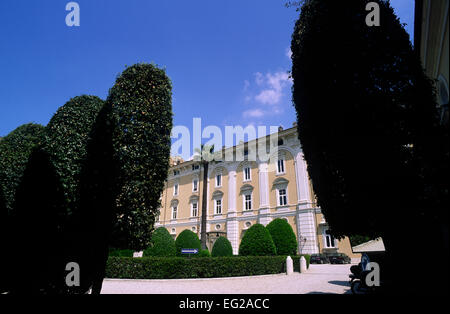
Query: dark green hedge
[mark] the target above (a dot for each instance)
(296, 260)
(257, 241)
(187, 240)
(222, 247)
(283, 237)
(195, 267)
(120, 253)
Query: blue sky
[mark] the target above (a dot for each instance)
(227, 59)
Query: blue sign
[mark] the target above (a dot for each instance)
(189, 251)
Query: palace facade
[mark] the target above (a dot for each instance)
(243, 193)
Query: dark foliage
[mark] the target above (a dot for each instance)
(120, 253)
(125, 169)
(4, 235)
(187, 240)
(283, 237)
(15, 149)
(358, 239)
(257, 241)
(222, 247)
(98, 188)
(194, 267)
(369, 128)
(38, 218)
(141, 103)
(203, 253)
(161, 244)
(66, 141)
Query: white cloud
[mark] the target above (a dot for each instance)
(259, 78)
(275, 84)
(266, 94)
(253, 113)
(269, 97)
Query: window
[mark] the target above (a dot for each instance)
(194, 212)
(218, 206)
(175, 189)
(174, 212)
(248, 202)
(280, 168)
(329, 240)
(195, 185)
(176, 172)
(219, 180)
(195, 167)
(247, 174)
(218, 227)
(282, 197)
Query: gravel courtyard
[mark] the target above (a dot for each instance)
(318, 279)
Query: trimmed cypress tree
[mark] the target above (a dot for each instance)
(283, 237)
(369, 128)
(141, 102)
(257, 241)
(187, 240)
(47, 194)
(67, 135)
(15, 149)
(222, 247)
(127, 165)
(161, 244)
(39, 217)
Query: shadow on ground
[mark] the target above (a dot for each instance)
(339, 283)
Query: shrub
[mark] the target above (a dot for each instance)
(257, 241)
(15, 149)
(67, 135)
(283, 237)
(204, 253)
(120, 253)
(187, 240)
(195, 267)
(161, 244)
(222, 247)
(141, 111)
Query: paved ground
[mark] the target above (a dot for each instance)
(318, 279)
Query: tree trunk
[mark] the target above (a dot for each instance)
(204, 209)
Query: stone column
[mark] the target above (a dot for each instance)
(232, 223)
(306, 228)
(302, 180)
(264, 204)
